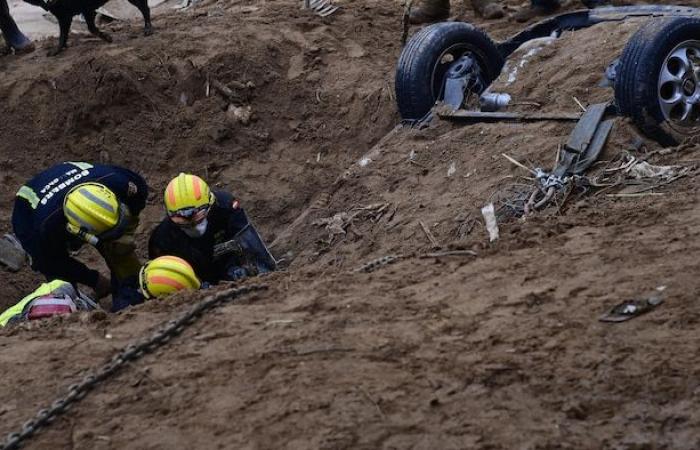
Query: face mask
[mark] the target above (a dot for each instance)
(197, 231)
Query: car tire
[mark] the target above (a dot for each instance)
(424, 61)
(655, 84)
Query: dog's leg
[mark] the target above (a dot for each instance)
(142, 5)
(64, 23)
(90, 21)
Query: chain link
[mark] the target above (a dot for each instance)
(131, 352)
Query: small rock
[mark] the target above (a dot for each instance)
(219, 134)
(240, 114)
(186, 99)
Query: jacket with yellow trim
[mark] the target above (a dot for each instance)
(40, 225)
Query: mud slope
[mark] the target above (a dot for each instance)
(502, 350)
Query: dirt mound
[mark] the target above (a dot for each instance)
(498, 350)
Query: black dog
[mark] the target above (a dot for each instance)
(64, 10)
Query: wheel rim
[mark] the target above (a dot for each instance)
(442, 65)
(679, 85)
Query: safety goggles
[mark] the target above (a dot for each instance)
(189, 216)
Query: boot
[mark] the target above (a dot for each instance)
(430, 11)
(488, 9)
(14, 39)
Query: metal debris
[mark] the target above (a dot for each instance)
(634, 308)
(322, 8)
(374, 264)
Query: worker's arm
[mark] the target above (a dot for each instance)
(52, 259)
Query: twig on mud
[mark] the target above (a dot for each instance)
(635, 194)
(417, 164)
(428, 233)
(519, 164)
(448, 253)
(323, 350)
(376, 405)
(580, 105)
(223, 89)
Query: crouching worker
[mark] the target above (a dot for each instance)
(211, 231)
(73, 203)
(157, 278)
(55, 298)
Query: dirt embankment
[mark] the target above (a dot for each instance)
(498, 351)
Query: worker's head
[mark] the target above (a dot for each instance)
(166, 275)
(187, 201)
(94, 213)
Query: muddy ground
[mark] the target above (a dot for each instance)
(502, 350)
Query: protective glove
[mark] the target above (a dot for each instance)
(235, 273)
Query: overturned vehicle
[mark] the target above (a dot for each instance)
(656, 79)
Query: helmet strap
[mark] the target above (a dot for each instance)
(142, 282)
(83, 234)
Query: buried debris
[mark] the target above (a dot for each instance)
(322, 8)
(489, 214)
(582, 149)
(636, 176)
(633, 308)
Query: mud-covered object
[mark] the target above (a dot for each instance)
(255, 257)
(215, 255)
(50, 299)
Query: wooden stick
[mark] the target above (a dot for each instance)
(430, 236)
(519, 164)
(580, 105)
(449, 253)
(635, 194)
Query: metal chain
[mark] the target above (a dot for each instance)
(375, 264)
(131, 352)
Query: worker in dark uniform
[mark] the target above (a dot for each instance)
(14, 39)
(73, 203)
(211, 231)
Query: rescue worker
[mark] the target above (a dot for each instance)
(73, 203)
(14, 39)
(211, 231)
(160, 277)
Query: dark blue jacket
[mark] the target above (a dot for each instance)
(226, 218)
(40, 225)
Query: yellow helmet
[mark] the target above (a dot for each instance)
(166, 275)
(187, 192)
(92, 210)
